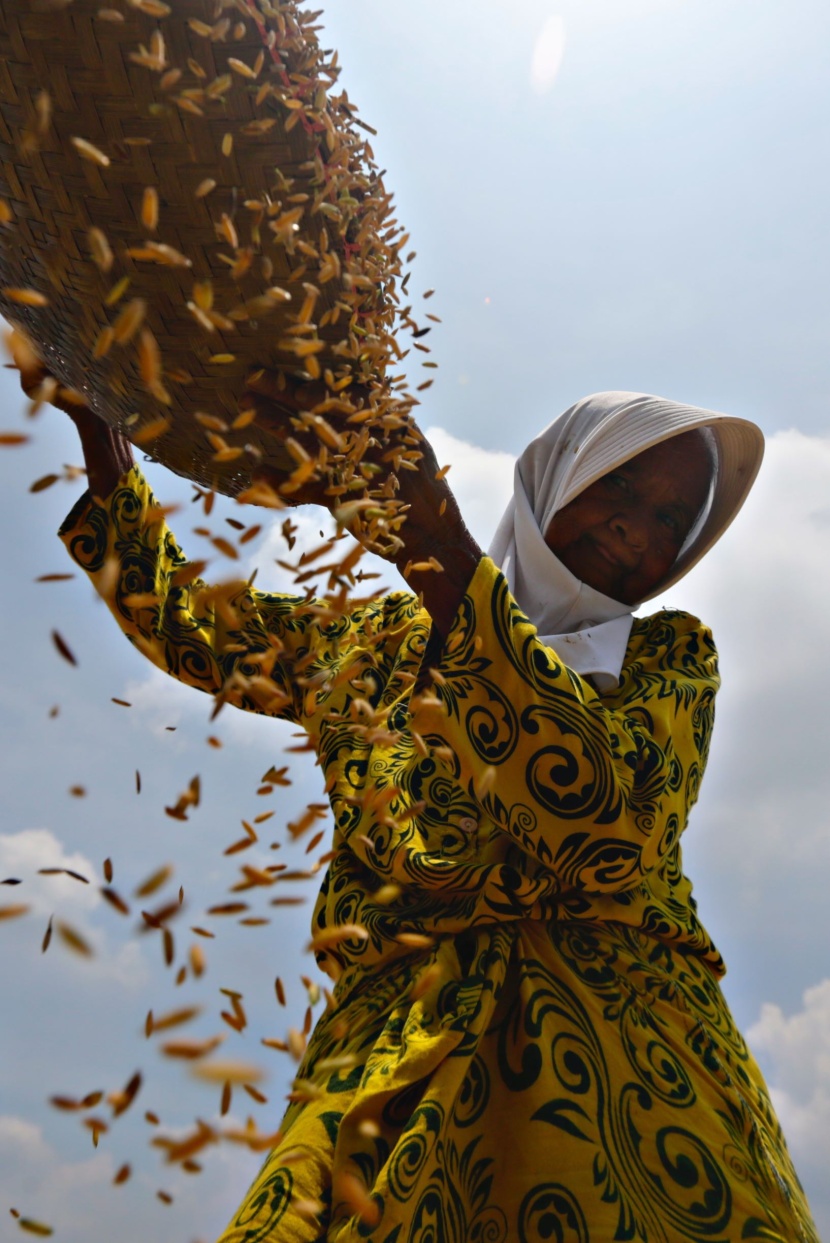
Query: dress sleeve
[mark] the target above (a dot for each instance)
(596, 788)
(264, 652)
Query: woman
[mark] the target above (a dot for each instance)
(529, 1040)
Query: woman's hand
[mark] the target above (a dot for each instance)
(429, 542)
(439, 555)
(283, 409)
(107, 453)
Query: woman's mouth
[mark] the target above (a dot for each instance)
(607, 556)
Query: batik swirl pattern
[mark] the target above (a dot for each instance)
(567, 1069)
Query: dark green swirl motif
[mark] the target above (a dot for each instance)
(551, 1214)
(552, 1060)
(266, 1206)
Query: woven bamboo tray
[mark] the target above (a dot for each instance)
(186, 195)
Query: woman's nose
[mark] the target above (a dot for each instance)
(632, 528)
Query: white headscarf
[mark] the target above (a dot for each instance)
(588, 630)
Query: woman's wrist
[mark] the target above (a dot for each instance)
(107, 453)
(440, 570)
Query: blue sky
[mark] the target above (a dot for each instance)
(630, 194)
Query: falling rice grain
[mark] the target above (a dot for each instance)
(121, 1101)
(73, 940)
(149, 359)
(40, 485)
(154, 882)
(153, 8)
(115, 900)
(239, 66)
(129, 320)
(13, 911)
(329, 937)
(25, 297)
(173, 1018)
(117, 292)
(309, 1210)
(150, 432)
(354, 1193)
(63, 648)
(150, 209)
(63, 872)
(228, 1072)
(103, 342)
(31, 1226)
(122, 1175)
(100, 249)
(87, 151)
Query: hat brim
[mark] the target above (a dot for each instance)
(643, 421)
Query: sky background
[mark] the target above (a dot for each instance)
(631, 194)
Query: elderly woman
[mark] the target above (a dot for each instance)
(528, 1040)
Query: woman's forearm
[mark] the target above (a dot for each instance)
(451, 560)
(107, 453)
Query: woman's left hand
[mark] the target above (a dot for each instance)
(436, 553)
(279, 401)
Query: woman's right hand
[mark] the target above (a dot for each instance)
(107, 453)
(37, 382)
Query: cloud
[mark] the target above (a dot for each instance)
(23, 854)
(63, 1194)
(763, 591)
(76, 1196)
(548, 52)
(797, 1051)
(481, 479)
(70, 901)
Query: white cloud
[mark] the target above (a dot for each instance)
(160, 703)
(481, 479)
(78, 1199)
(797, 1051)
(548, 52)
(764, 592)
(61, 1194)
(23, 854)
(70, 901)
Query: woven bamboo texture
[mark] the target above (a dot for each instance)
(115, 123)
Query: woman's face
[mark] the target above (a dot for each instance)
(623, 533)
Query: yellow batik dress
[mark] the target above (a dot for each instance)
(549, 1056)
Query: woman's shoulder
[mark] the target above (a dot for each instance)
(673, 639)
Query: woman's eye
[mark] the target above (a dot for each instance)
(618, 481)
(672, 522)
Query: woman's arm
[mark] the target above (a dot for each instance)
(174, 619)
(433, 530)
(107, 454)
